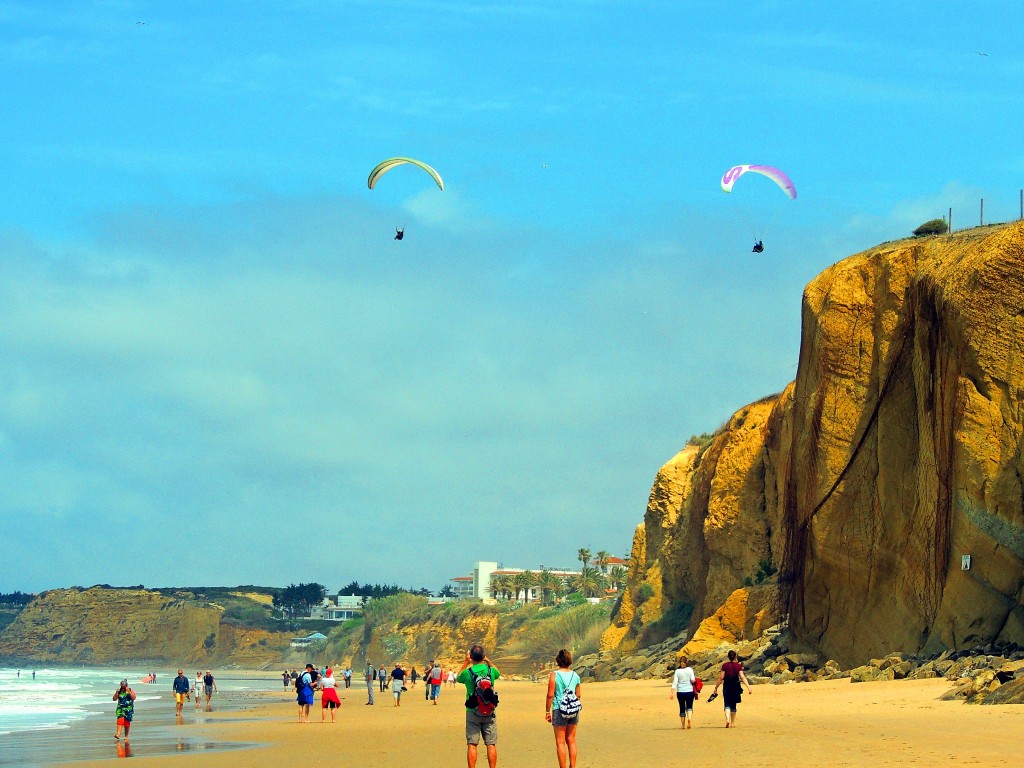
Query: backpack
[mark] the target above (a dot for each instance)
(484, 698)
(300, 683)
(570, 705)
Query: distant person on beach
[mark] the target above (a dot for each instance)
(414, 676)
(304, 692)
(348, 677)
(451, 677)
(370, 673)
(683, 692)
(434, 681)
(286, 678)
(180, 687)
(729, 679)
(125, 698)
(397, 683)
(382, 676)
(561, 711)
(328, 694)
(480, 716)
(209, 686)
(197, 689)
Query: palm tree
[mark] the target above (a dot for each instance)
(502, 585)
(583, 555)
(618, 576)
(601, 560)
(549, 584)
(589, 582)
(525, 581)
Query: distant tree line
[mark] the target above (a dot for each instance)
(377, 591)
(297, 599)
(15, 598)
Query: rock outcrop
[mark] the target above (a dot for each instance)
(103, 625)
(894, 454)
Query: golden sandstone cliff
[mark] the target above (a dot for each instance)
(103, 625)
(895, 452)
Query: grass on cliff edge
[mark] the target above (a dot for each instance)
(529, 631)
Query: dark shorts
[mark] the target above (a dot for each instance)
(557, 718)
(477, 727)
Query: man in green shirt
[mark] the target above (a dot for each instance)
(480, 719)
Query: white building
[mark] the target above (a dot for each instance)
(343, 608)
(478, 585)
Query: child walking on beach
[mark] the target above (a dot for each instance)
(125, 698)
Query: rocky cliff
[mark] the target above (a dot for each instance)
(896, 452)
(102, 625)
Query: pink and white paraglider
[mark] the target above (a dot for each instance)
(775, 174)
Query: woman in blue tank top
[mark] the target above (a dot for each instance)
(562, 708)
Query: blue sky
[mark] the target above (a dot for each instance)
(213, 347)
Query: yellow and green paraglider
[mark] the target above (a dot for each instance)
(394, 162)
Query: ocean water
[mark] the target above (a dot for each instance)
(57, 696)
(66, 714)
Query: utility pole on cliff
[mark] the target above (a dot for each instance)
(1022, 204)
(950, 221)
(981, 217)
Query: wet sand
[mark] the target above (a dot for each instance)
(624, 723)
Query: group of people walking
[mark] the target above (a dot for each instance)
(183, 690)
(686, 687)
(562, 703)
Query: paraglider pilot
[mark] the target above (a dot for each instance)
(758, 247)
(399, 234)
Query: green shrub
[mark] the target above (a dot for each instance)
(700, 440)
(672, 622)
(573, 599)
(645, 593)
(394, 646)
(933, 227)
(765, 570)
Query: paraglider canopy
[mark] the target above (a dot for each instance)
(779, 177)
(394, 162)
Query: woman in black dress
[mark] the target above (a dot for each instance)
(731, 679)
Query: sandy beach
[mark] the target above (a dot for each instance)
(624, 723)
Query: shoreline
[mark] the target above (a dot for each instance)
(155, 731)
(806, 724)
